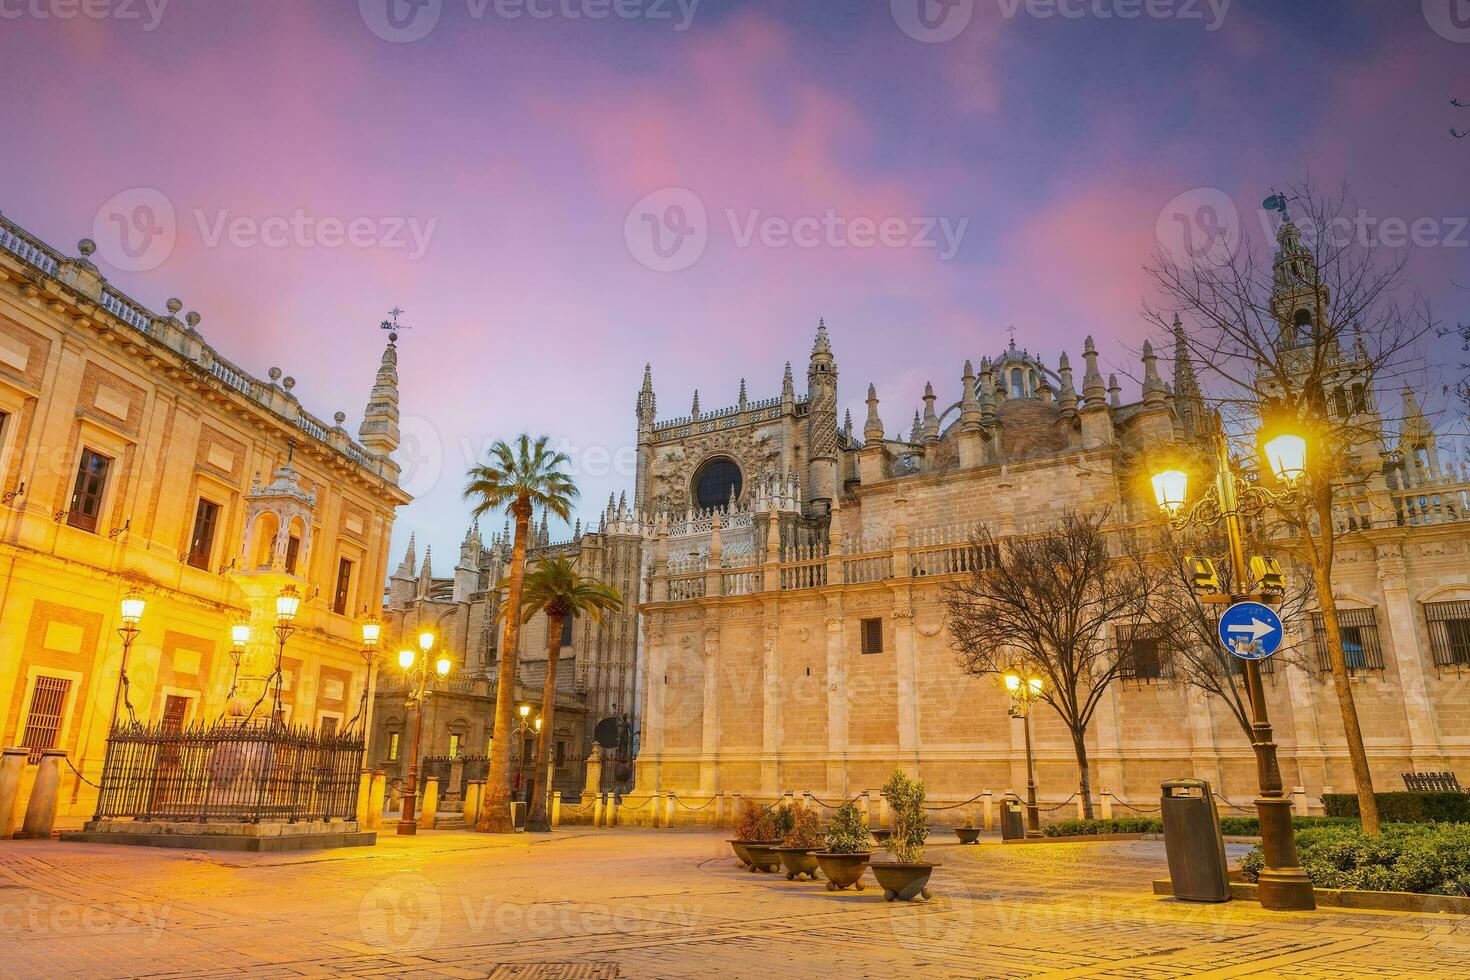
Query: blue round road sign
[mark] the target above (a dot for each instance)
(1251, 630)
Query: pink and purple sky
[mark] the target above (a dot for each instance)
(556, 191)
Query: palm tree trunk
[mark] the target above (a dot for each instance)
(495, 815)
(1084, 774)
(540, 778)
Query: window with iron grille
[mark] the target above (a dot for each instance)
(392, 746)
(1141, 653)
(344, 586)
(566, 631)
(43, 720)
(206, 519)
(86, 497)
(293, 551)
(1360, 647)
(1449, 632)
(872, 635)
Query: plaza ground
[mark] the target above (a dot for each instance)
(649, 904)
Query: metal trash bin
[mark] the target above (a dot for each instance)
(1012, 818)
(1193, 843)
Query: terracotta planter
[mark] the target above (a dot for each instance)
(798, 861)
(968, 835)
(843, 870)
(741, 857)
(762, 857)
(903, 882)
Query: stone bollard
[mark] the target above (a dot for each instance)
(364, 796)
(41, 809)
(429, 812)
(1081, 808)
(669, 813)
(556, 808)
(474, 795)
(988, 807)
(596, 809)
(614, 803)
(1107, 804)
(11, 764)
(377, 790)
(866, 809)
(882, 810)
(720, 809)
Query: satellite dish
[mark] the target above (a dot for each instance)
(607, 733)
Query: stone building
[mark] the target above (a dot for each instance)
(794, 639)
(134, 456)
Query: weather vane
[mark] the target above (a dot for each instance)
(1276, 202)
(393, 324)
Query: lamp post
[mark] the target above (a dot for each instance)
(288, 603)
(130, 613)
(1023, 692)
(1284, 886)
(239, 637)
(372, 630)
(524, 728)
(420, 676)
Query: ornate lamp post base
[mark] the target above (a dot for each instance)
(1281, 887)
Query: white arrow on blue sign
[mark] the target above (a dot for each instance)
(1251, 630)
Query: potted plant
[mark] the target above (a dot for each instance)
(847, 853)
(747, 830)
(967, 832)
(800, 841)
(906, 877)
(769, 826)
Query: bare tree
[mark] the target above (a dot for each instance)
(1048, 602)
(1187, 627)
(1301, 336)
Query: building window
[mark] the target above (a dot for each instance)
(392, 746)
(175, 711)
(1449, 632)
(344, 586)
(1140, 655)
(206, 519)
(453, 745)
(561, 753)
(872, 635)
(293, 551)
(1360, 647)
(716, 482)
(86, 497)
(566, 631)
(328, 726)
(43, 720)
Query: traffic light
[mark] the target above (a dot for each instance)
(1267, 571)
(1202, 570)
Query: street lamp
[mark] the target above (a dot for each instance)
(1023, 692)
(239, 637)
(524, 728)
(1284, 886)
(288, 603)
(420, 680)
(372, 629)
(130, 613)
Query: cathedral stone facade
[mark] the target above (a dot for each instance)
(794, 638)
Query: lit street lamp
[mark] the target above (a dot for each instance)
(239, 637)
(372, 630)
(288, 603)
(130, 613)
(420, 678)
(1283, 884)
(1023, 692)
(521, 730)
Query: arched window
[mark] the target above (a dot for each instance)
(715, 482)
(1340, 400)
(1303, 324)
(1018, 387)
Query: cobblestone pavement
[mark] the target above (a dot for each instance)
(649, 904)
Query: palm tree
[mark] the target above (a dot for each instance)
(518, 479)
(556, 588)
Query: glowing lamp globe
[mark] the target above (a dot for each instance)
(240, 633)
(426, 641)
(132, 608)
(406, 658)
(1287, 455)
(372, 629)
(442, 666)
(287, 604)
(1170, 487)
(1013, 682)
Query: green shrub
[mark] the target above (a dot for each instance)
(846, 832)
(1425, 858)
(1251, 826)
(782, 819)
(910, 825)
(1404, 807)
(1118, 825)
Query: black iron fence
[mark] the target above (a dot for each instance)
(232, 772)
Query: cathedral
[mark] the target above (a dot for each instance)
(788, 632)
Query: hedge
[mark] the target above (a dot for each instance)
(1404, 807)
(1229, 826)
(1426, 858)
